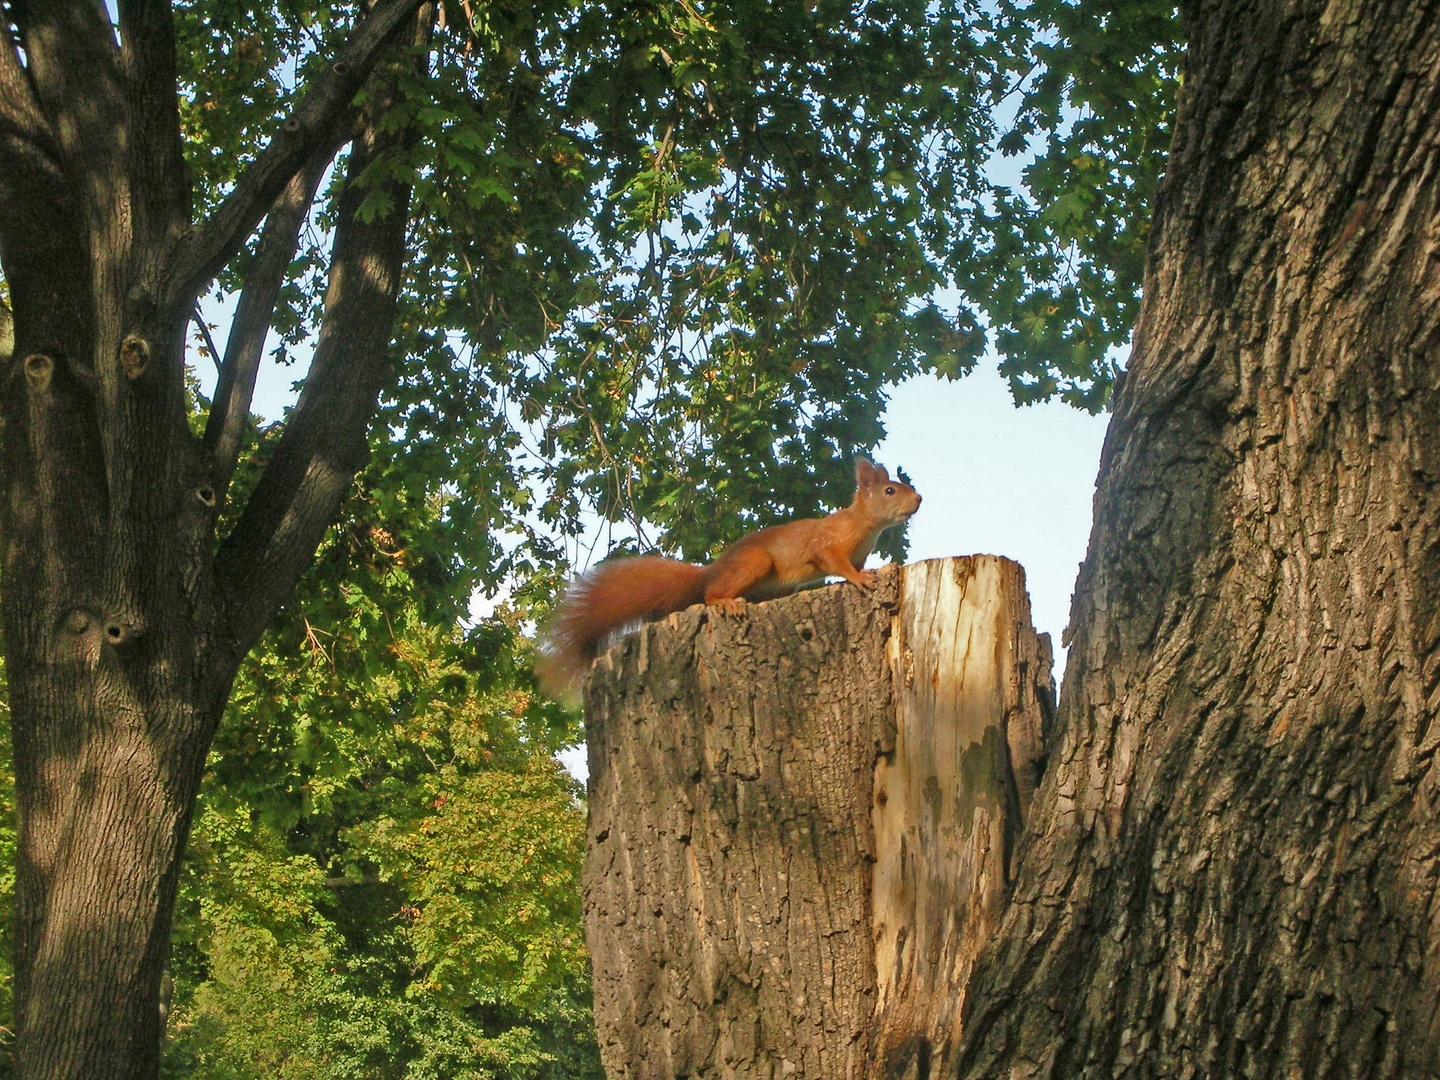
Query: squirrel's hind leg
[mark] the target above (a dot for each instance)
(735, 574)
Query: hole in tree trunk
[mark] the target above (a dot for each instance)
(134, 356)
(38, 368)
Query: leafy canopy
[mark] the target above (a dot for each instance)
(667, 256)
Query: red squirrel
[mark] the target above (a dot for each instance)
(768, 563)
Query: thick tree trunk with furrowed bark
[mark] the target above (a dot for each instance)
(802, 821)
(123, 622)
(1234, 859)
(1231, 866)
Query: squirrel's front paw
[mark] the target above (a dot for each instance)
(733, 605)
(865, 579)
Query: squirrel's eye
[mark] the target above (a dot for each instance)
(889, 491)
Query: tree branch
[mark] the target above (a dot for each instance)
(306, 129)
(7, 333)
(39, 241)
(157, 158)
(41, 245)
(72, 66)
(32, 181)
(198, 317)
(20, 113)
(251, 323)
(325, 441)
(56, 184)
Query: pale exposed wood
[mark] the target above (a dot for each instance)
(750, 787)
(972, 693)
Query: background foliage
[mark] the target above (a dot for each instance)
(666, 258)
(384, 875)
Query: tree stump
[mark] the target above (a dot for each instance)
(802, 822)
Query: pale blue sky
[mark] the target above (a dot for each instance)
(998, 480)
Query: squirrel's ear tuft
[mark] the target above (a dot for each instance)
(864, 472)
(881, 474)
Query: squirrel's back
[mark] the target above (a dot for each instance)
(613, 595)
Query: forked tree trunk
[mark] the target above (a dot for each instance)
(802, 821)
(123, 625)
(1234, 862)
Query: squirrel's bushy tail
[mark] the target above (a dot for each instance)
(613, 595)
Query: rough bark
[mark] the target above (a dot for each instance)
(122, 626)
(1233, 862)
(800, 820)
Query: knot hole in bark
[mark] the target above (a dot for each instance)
(119, 633)
(134, 356)
(38, 369)
(206, 494)
(291, 126)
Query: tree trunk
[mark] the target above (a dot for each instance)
(123, 625)
(801, 821)
(1232, 865)
(107, 616)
